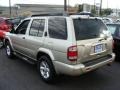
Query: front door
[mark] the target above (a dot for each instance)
(19, 38)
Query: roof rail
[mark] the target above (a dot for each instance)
(85, 13)
(50, 14)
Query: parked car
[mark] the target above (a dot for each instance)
(117, 21)
(16, 21)
(107, 20)
(70, 45)
(115, 31)
(5, 26)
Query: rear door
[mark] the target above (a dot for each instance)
(57, 41)
(35, 37)
(93, 40)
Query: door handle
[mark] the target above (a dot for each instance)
(23, 37)
(101, 39)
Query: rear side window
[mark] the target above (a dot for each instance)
(88, 28)
(37, 27)
(57, 28)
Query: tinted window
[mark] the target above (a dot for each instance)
(112, 28)
(1, 20)
(88, 28)
(119, 32)
(37, 27)
(57, 28)
(22, 27)
(8, 21)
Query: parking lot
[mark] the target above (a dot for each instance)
(18, 75)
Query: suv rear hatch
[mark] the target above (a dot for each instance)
(93, 39)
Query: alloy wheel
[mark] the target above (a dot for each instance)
(44, 70)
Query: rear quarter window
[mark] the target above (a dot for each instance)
(57, 28)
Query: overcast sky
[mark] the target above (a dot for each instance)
(106, 3)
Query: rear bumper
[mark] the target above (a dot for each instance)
(75, 70)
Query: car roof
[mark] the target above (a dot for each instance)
(113, 24)
(70, 16)
(36, 17)
(85, 13)
(64, 14)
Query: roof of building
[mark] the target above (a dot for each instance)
(39, 5)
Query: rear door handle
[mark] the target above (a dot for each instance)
(49, 42)
(23, 37)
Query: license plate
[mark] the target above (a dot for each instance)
(98, 48)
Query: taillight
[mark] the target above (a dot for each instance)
(113, 44)
(72, 53)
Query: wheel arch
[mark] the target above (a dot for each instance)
(8, 39)
(47, 52)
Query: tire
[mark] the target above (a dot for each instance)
(8, 49)
(46, 69)
(1, 43)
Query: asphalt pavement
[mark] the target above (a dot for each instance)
(16, 74)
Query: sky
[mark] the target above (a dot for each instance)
(106, 3)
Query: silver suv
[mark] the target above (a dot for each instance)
(70, 45)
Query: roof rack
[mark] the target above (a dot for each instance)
(84, 13)
(62, 14)
(50, 14)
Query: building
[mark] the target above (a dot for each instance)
(116, 12)
(29, 9)
(87, 8)
(5, 11)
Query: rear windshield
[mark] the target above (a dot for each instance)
(88, 28)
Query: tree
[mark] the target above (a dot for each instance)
(108, 11)
(93, 11)
(80, 8)
(27, 13)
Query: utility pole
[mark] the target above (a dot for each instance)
(10, 8)
(107, 4)
(94, 5)
(100, 7)
(65, 5)
(68, 6)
